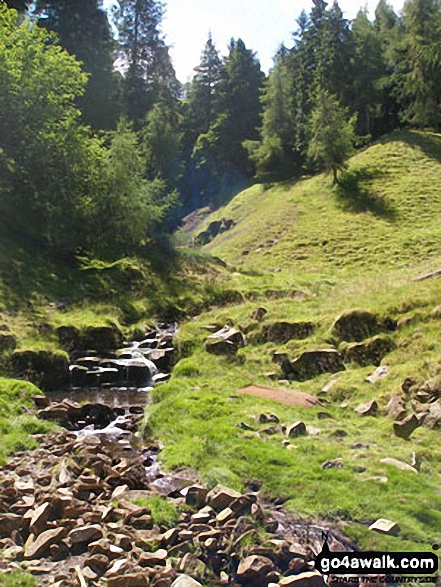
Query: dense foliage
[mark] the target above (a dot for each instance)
(72, 176)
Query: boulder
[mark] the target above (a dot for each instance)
(253, 568)
(282, 332)
(133, 579)
(85, 534)
(396, 408)
(333, 464)
(225, 342)
(399, 465)
(152, 559)
(357, 325)
(47, 369)
(369, 352)
(97, 338)
(379, 373)
(404, 428)
(195, 495)
(259, 314)
(38, 547)
(221, 497)
(432, 418)
(369, 408)
(296, 429)
(185, 581)
(313, 363)
(9, 523)
(384, 526)
(214, 228)
(40, 517)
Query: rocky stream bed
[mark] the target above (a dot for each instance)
(67, 511)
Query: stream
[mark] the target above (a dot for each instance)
(68, 512)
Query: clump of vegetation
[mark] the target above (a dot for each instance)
(17, 422)
(17, 579)
(163, 512)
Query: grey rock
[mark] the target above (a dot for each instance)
(384, 526)
(399, 465)
(404, 428)
(296, 429)
(396, 408)
(369, 408)
(313, 363)
(369, 352)
(357, 325)
(225, 342)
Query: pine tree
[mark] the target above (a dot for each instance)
(203, 89)
(332, 133)
(239, 107)
(149, 73)
(274, 154)
(83, 29)
(417, 74)
(368, 76)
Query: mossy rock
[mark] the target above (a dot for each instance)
(97, 338)
(357, 325)
(310, 364)
(369, 352)
(282, 332)
(47, 369)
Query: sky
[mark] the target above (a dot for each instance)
(262, 24)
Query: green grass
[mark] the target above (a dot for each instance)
(313, 251)
(306, 251)
(17, 421)
(163, 512)
(17, 579)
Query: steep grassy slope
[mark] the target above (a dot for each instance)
(309, 251)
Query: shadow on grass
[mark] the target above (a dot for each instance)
(355, 194)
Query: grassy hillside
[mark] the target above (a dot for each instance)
(305, 251)
(308, 251)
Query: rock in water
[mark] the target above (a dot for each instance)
(47, 369)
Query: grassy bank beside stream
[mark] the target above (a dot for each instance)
(309, 251)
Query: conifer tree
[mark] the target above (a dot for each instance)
(332, 133)
(149, 72)
(274, 154)
(239, 107)
(83, 29)
(417, 74)
(203, 89)
(368, 77)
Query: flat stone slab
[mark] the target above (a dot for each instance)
(287, 397)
